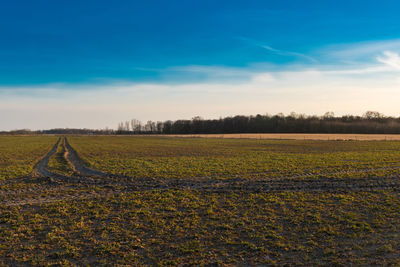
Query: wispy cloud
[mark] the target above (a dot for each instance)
(391, 59)
(354, 53)
(277, 51)
(311, 91)
(212, 70)
(288, 53)
(307, 88)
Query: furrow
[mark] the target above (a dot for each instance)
(40, 168)
(77, 163)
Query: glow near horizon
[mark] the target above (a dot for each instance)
(343, 87)
(95, 63)
(310, 91)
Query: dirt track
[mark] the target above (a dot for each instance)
(77, 162)
(40, 168)
(45, 186)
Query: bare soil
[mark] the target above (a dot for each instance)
(44, 186)
(78, 164)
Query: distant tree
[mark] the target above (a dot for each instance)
(370, 122)
(127, 126)
(160, 127)
(373, 115)
(120, 127)
(328, 115)
(135, 125)
(150, 127)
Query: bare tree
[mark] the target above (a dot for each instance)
(150, 127)
(328, 115)
(160, 127)
(373, 115)
(120, 126)
(127, 126)
(136, 125)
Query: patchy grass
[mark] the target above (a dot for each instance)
(18, 154)
(178, 227)
(226, 158)
(58, 164)
(47, 222)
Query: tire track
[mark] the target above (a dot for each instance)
(47, 193)
(77, 163)
(260, 185)
(45, 187)
(40, 168)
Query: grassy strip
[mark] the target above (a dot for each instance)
(58, 163)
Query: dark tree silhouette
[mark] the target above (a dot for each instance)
(371, 122)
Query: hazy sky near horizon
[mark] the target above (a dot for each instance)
(95, 63)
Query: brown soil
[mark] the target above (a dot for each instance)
(46, 187)
(78, 164)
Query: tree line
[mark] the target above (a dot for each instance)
(60, 131)
(371, 122)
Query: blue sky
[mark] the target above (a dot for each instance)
(94, 63)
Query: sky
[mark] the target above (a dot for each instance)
(92, 64)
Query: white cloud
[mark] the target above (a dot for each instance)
(277, 51)
(391, 59)
(360, 71)
(343, 88)
(263, 78)
(361, 51)
(288, 53)
(312, 91)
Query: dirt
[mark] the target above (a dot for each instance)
(44, 186)
(78, 164)
(40, 168)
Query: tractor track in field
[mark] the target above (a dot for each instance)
(40, 168)
(261, 185)
(45, 186)
(77, 163)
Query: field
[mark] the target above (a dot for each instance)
(19, 154)
(98, 200)
(228, 158)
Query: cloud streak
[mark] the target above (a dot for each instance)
(355, 53)
(288, 53)
(278, 51)
(391, 59)
(312, 89)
